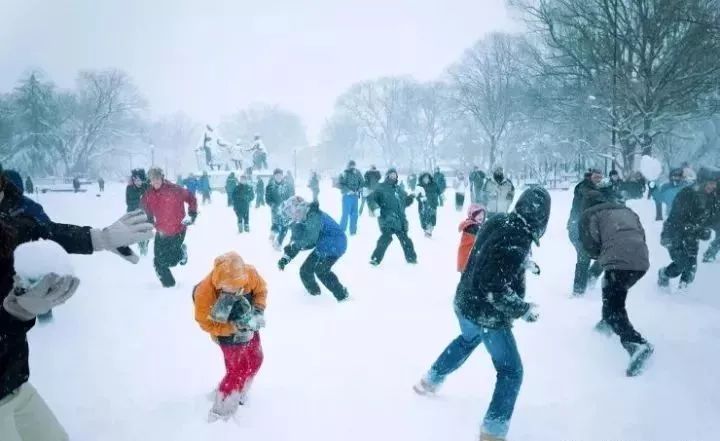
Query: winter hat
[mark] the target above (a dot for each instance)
(156, 172)
(676, 172)
(229, 273)
(391, 171)
(614, 173)
(15, 178)
(277, 171)
(351, 164)
(295, 208)
(534, 207)
(474, 210)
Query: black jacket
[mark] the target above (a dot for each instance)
(491, 291)
(689, 218)
(260, 189)
(133, 195)
(477, 180)
(392, 200)
(14, 351)
(277, 193)
(351, 181)
(372, 179)
(242, 196)
(440, 181)
(432, 193)
(580, 195)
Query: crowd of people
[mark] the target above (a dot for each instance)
(494, 254)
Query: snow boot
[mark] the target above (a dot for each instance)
(639, 355)
(374, 262)
(246, 228)
(224, 408)
(604, 328)
(425, 387)
(663, 279)
(344, 297)
(488, 437)
(683, 287)
(241, 229)
(184, 258)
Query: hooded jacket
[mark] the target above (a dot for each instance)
(491, 291)
(230, 274)
(613, 235)
(430, 190)
(688, 220)
(317, 231)
(392, 200)
(15, 202)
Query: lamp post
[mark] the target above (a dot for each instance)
(152, 155)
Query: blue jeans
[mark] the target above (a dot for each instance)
(500, 343)
(349, 211)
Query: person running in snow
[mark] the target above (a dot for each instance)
(461, 186)
(314, 185)
(489, 298)
(165, 203)
(204, 188)
(687, 224)
(441, 182)
(613, 235)
(469, 229)
(133, 195)
(586, 271)
(229, 305)
(313, 229)
(231, 184)
(276, 193)
(25, 415)
(372, 181)
(499, 193)
(351, 184)
(392, 201)
(428, 201)
(477, 183)
(241, 198)
(259, 192)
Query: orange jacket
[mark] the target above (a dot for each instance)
(230, 274)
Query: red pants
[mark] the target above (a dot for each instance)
(242, 363)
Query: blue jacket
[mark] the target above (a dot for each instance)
(318, 231)
(17, 203)
(668, 192)
(191, 184)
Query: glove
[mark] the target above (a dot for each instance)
(51, 291)
(532, 314)
(533, 267)
(190, 219)
(132, 228)
(257, 321)
(282, 263)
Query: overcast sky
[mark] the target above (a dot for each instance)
(210, 58)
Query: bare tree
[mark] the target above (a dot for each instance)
(430, 118)
(486, 80)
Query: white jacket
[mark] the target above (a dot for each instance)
(461, 185)
(499, 197)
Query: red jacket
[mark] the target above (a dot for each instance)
(167, 207)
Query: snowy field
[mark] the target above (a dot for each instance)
(125, 360)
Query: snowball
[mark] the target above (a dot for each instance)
(650, 167)
(35, 259)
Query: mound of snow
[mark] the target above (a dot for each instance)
(35, 259)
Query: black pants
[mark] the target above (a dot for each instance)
(714, 248)
(614, 293)
(384, 242)
(168, 253)
(428, 215)
(658, 210)
(259, 200)
(321, 267)
(585, 268)
(684, 255)
(459, 201)
(243, 216)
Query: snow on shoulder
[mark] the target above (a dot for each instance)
(35, 259)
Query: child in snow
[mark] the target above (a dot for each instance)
(229, 305)
(469, 229)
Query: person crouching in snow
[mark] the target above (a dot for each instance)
(316, 230)
(469, 229)
(229, 305)
(489, 298)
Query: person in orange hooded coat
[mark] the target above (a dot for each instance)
(469, 228)
(237, 333)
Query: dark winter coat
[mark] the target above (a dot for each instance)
(351, 181)
(477, 180)
(277, 193)
(15, 203)
(260, 189)
(392, 201)
(432, 193)
(133, 196)
(491, 291)
(29, 186)
(204, 184)
(578, 206)
(440, 181)
(688, 221)
(242, 196)
(613, 235)
(231, 184)
(372, 179)
(318, 231)
(14, 351)
(669, 191)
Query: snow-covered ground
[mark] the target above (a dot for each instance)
(125, 360)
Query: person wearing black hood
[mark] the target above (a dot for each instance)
(428, 200)
(441, 183)
(489, 298)
(613, 235)
(584, 271)
(687, 224)
(392, 201)
(372, 180)
(133, 195)
(616, 184)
